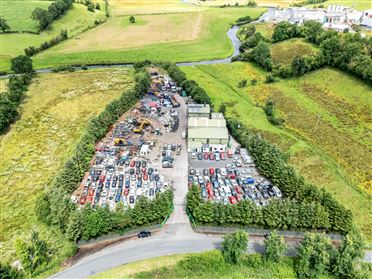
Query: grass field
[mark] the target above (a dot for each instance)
(335, 155)
(75, 21)
(206, 265)
(125, 7)
(148, 29)
(266, 29)
(284, 52)
(211, 43)
(356, 4)
(53, 116)
(266, 3)
(3, 85)
(18, 14)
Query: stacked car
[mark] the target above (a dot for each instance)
(232, 185)
(112, 179)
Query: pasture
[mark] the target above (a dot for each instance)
(76, 21)
(333, 153)
(53, 115)
(18, 14)
(266, 3)
(284, 52)
(210, 43)
(148, 29)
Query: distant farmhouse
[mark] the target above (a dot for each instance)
(335, 17)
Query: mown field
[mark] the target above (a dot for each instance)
(204, 265)
(356, 4)
(53, 115)
(148, 29)
(126, 7)
(284, 52)
(18, 14)
(333, 153)
(76, 21)
(271, 3)
(211, 43)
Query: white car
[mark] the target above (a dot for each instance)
(104, 193)
(193, 155)
(223, 171)
(103, 201)
(139, 192)
(112, 205)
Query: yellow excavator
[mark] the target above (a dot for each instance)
(142, 124)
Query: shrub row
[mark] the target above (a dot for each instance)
(93, 222)
(10, 100)
(30, 51)
(55, 206)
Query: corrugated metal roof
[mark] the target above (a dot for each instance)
(198, 108)
(208, 133)
(195, 122)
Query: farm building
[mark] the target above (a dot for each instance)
(207, 134)
(198, 110)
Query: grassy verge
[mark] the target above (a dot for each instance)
(204, 265)
(211, 43)
(284, 52)
(339, 165)
(38, 144)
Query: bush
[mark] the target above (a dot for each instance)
(254, 81)
(30, 51)
(132, 19)
(234, 246)
(314, 256)
(21, 64)
(269, 78)
(242, 83)
(63, 69)
(275, 246)
(8, 272)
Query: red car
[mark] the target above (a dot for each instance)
(90, 192)
(229, 153)
(211, 156)
(232, 200)
(206, 157)
(126, 191)
(211, 171)
(102, 178)
(237, 189)
(145, 177)
(209, 185)
(231, 175)
(89, 199)
(132, 163)
(222, 156)
(83, 199)
(239, 198)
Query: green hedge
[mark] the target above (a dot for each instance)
(11, 99)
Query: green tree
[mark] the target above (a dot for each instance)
(193, 198)
(249, 30)
(42, 209)
(43, 17)
(132, 19)
(98, 7)
(314, 256)
(275, 246)
(21, 64)
(222, 108)
(234, 245)
(261, 55)
(351, 249)
(4, 24)
(75, 226)
(33, 253)
(312, 30)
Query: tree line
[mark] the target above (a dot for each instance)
(348, 52)
(316, 254)
(30, 51)
(45, 17)
(17, 86)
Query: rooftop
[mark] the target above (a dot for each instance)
(208, 133)
(198, 108)
(204, 122)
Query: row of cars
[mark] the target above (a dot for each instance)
(232, 185)
(112, 180)
(211, 155)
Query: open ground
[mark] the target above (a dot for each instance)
(339, 165)
(53, 115)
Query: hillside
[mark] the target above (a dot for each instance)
(341, 165)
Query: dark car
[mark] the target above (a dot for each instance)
(138, 164)
(131, 199)
(205, 156)
(144, 234)
(205, 172)
(200, 156)
(150, 171)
